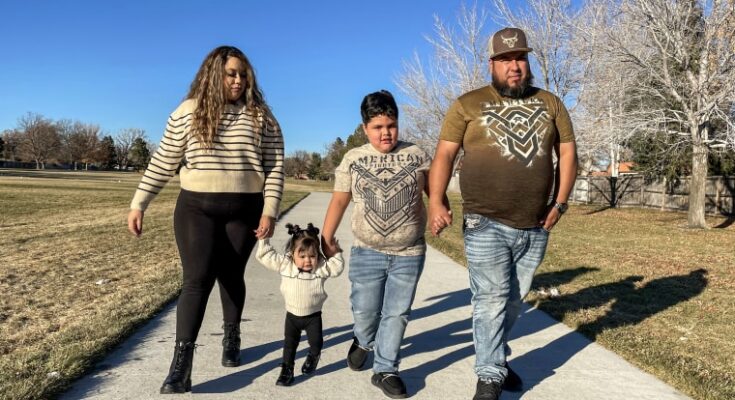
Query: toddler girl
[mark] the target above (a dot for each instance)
(303, 271)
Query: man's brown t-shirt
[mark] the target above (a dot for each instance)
(507, 171)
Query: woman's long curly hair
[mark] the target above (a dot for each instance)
(208, 89)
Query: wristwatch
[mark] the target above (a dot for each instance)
(562, 207)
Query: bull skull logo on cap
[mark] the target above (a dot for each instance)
(511, 41)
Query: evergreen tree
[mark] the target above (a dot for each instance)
(107, 154)
(336, 151)
(356, 139)
(139, 155)
(315, 170)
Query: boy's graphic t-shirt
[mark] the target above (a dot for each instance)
(389, 214)
(507, 170)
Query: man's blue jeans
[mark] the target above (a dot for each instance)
(501, 261)
(383, 288)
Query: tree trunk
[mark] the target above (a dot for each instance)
(614, 173)
(697, 186)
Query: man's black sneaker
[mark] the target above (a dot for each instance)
(310, 364)
(512, 382)
(487, 390)
(356, 356)
(391, 385)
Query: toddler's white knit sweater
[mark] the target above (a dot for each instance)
(303, 292)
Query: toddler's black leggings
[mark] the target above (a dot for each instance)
(312, 324)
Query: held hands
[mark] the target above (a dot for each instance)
(330, 247)
(135, 222)
(440, 217)
(265, 227)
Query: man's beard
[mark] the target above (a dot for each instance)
(513, 92)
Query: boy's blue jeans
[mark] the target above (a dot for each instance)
(501, 261)
(383, 288)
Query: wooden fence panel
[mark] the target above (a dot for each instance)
(632, 190)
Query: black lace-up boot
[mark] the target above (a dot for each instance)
(285, 378)
(179, 374)
(310, 364)
(231, 345)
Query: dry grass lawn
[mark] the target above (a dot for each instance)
(641, 284)
(74, 282)
(309, 185)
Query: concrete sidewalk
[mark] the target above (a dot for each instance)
(438, 356)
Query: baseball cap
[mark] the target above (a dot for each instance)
(507, 40)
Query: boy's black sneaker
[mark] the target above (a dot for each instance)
(286, 376)
(512, 381)
(391, 384)
(487, 390)
(356, 356)
(310, 364)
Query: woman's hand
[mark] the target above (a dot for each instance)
(265, 227)
(135, 222)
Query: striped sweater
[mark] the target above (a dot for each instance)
(303, 292)
(247, 157)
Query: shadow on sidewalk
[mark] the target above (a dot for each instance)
(240, 379)
(459, 333)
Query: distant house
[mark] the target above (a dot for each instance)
(625, 167)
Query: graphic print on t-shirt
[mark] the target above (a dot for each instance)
(517, 126)
(388, 188)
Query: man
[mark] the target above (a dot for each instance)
(508, 131)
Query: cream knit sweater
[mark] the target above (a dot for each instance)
(303, 292)
(247, 158)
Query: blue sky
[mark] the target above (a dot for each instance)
(129, 63)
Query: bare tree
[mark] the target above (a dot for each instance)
(12, 139)
(685, 48)
(40, 141)
(82, 143)
(459, 64)
(605, 98)
(124, 142)
(297, 164)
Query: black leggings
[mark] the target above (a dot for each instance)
(312, 324)
(214, 233)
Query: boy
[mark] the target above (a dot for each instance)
(385, 178)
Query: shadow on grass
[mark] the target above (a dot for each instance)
(598, 210)
(558, 278)
(632, 303)
(726, 223)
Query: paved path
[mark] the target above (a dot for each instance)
(554, 361)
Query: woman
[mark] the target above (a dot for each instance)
(230, 150)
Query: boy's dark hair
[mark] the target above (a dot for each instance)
(306, 238)
(378, 103)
